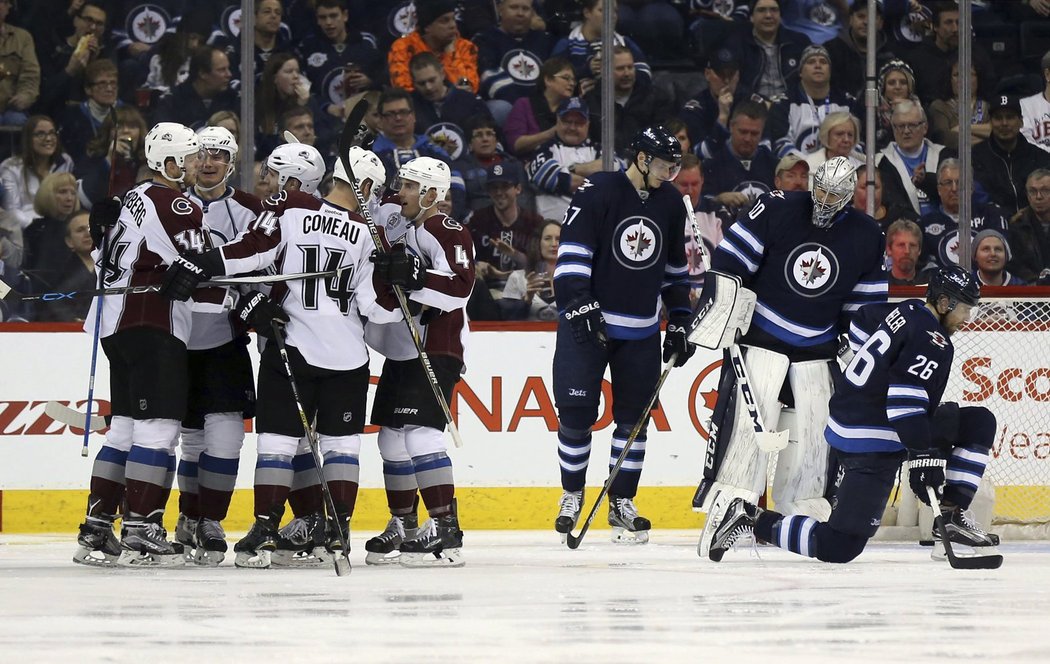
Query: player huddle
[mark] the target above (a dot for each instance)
(357, 270)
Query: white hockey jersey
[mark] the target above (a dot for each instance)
(299, 233)
(1035, 111)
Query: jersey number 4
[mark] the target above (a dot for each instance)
(337, 286)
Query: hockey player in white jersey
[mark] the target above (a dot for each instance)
(144, 336)
(812, 262)
(433, 261)
(325, 339)
(222, 388)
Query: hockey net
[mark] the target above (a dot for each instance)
(1002, 362)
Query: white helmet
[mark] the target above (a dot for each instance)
(429, 173)
(170, 140)
(833, 186)
(366, 166)
(297, 160)
(220, 138)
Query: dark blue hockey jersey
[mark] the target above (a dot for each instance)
(809, 280)
(509, 65)
(886, 396)
(940, 233)
(624, 252)
(324, 63)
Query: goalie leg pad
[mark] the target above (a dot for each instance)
(725, 308)
(801, 480)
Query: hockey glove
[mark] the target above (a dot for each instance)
(104, 215)
(399, 268)
(186, 272)
(925, 469)
(584, 315)
(676, 339)
(258, 311)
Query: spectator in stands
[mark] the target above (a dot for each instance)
(944, 114)
(991, 253)
(441, 109)
(371, 119)
(531, 120)
(82, 122)
(1035, 110)
(206, 91)
(483, 152)
(794, 122)
(717, 23)
(77, 273)
(909, 163)
(770, 53)
(170, 64)
(1002, 163)
(299, 120)
(534, 286)
(44, 238)
(1030, 231)
(903, 247)
(884, 214)
(896, 84)
(792, 173)
(127, 156)
(19, 71)
(339, 62)
(848, 51)
(678, 129)
(283, 88)
(583, 47)
(656, 25)
(839, 136)
(559, 168)
(713, 103)
(940, 227)
(10, 264)
(21, 174)
(637, 102)
(690, 182)
(137, 29)
(271, 38)
(510, 56)
(227, 120)
(739, 167)
(437, 33)
(65, 58)
(932, 59)
(503, 232)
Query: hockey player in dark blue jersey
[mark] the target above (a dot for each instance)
(885, 410)
(621, 252)
(812, 261)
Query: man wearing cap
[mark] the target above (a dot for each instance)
(638, 103)
(1002, 163)
(769, 53)
(794, 122)
(712, 104)
(436, 32)
(559, 168)
(1035, 111)
(792, 173)
(849, 49)
(502, 231)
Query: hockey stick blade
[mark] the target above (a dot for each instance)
(70, 417)
(355, 129)
(994, 561)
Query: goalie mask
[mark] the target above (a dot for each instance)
(365, 165)
(833, 187)
(297, 160)
(170, 140)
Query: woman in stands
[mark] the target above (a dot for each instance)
(530, 123)
(535, 287)
(896, 84)
(44, 239)
(126, 156)
(20, 175)
(944, 114)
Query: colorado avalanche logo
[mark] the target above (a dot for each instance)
(181, 206)
(449, 137)
(230, 24)
(523, 67)
(147, 24)
(811, 270)
(637, 243)
(402, 19)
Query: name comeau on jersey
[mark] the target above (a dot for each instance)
(337, 226)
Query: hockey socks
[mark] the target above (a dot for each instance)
(305, 497)
(342, 473)
(147, 476)
(188, 488)
(626, 481)
(962, 474)
(216, 479)
(399, 478)
(107, 481)
(434, 475)
(273, 481)
(574, 451)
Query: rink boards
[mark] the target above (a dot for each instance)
(507, 471)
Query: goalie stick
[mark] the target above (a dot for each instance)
(352, 133)
(993, 561)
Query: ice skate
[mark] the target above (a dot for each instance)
(97, 544)
(739, 520)
(968, 539)
(255, 548)
(335, 545)
(186, 535)
(627, 526)
(211, 543)
(568, 513)
(384, 548)
(145, 544)
(438, 543)
(301, 543)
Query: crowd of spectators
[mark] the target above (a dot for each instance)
(507, 92)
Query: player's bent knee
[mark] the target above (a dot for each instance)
(277, 445)
(977, 427)
(224, 434)
(342, 445)
(156, 434)
(835, 546)
(421, 441)
(576, 422)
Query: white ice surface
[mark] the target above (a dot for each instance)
(524, 598)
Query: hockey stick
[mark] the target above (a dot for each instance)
(342, 565)
(573, 541)
(6, 289)
(766, 440)
(958, 562)
(63, 414)
(346, 141)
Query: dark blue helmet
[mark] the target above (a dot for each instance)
(656, 141)
(956, 284)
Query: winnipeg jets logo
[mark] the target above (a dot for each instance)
(637, 243)
(231, 22)
(402, 20)
(448, 137)
(523, 67)
(333, 84)
(811, 270)
(950, 247)
(148, 24)
(752, 189)
(937, 339)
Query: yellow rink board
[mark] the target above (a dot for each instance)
(482, 508)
